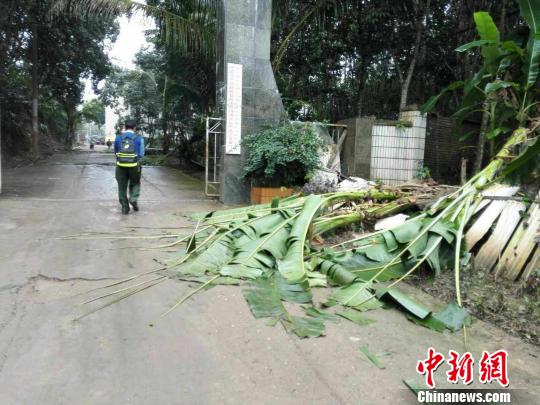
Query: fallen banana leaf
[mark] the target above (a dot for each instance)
(264, 299)
(304, 327)
(371, 357)
(317, 313)
(356, 295)
(293, 292)
(354, 316)
(405, 301)
(270, 247)
(453, 318)
(428, 322)
(316, 279)
(291, 266)
(414, 387)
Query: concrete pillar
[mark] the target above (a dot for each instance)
(356, 151)
(244, 40)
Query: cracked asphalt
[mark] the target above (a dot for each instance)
(209, 350)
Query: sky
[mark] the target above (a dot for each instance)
(129, 41)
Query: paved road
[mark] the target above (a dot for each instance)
(210, 350)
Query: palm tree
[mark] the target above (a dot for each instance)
(191, 28)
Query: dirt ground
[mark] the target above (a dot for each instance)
(508, 305)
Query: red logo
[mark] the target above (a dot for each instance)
(429, 365)
(461, 367)
(492, 367)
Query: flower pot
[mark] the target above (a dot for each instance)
(263, 195)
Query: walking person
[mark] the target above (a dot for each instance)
(129, 149)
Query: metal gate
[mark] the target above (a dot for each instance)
(214, 141)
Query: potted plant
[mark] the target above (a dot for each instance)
(280, 158)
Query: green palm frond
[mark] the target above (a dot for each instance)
(190, 27)
(313, 13)
(309, 14)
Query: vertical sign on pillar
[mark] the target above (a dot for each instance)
(233, 124)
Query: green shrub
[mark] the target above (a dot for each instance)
(282, 156)
(154, 160)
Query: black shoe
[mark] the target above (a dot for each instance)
(125, 210)
(135, 206)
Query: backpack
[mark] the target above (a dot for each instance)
(127, 145)
(127, 157)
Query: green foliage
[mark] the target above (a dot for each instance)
(68, 51)
(282, 156)
(453, 317)
(356, 295)
(405, 301)
(371, 255)
(355, 316)
(188, 33)
(422, 173)
(530, 10)
(291, 266)
(170, 91)
(136, 90)
(502, 89)
(525, 169)
(489, 33)
(371, 357)
(174, 83)
(94, 111)
(333, 59)
(317, 313)
(351, 57)
(154, 160)
(264, 299)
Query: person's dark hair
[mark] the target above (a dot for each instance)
(130, 124)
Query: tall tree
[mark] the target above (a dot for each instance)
(42, 63)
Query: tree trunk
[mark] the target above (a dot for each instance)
(416, 51)
(166, 142)
(70, 116)
(481, 139)
(360, 62)
(502, 21)
(463, 171)
(35, 94)
(421, 63)
(407, 82)
(464, 34)
(360, 80)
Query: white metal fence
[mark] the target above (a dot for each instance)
(397, 151)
